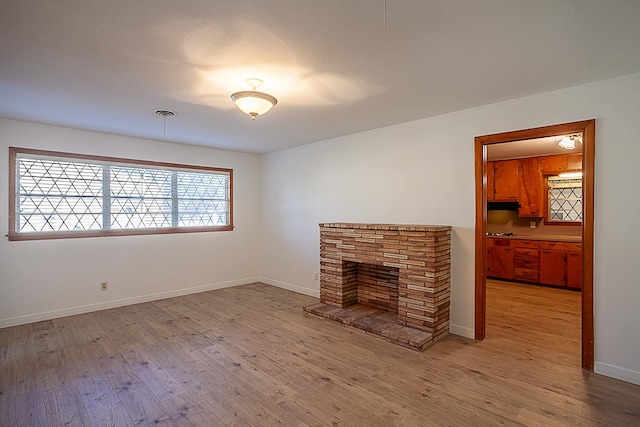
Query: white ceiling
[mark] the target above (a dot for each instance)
(334, 66)
(530, 148)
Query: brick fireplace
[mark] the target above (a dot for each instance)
(389, 280)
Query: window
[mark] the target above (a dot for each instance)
(564, 200)
(61, 195)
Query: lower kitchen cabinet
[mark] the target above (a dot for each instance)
(526, 260)
(553, 263)
(574, 265)
(536, 261)
(500, 258)
(552, 267)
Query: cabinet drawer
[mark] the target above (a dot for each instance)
(527, 244)
(531, 263)
(526, 274)
(574, 246)
(499, 242)
(556, 246)
(527, 253)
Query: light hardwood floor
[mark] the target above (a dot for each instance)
(248, 356)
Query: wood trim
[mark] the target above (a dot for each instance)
(481, 230)
(12, 192)
(587, 128)
(588, 206)
(116, 160)
(15, 236)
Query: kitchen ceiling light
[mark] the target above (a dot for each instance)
(252, 102)
(567, 175)
(569, 141)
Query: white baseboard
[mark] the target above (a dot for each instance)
(462, 331)
(54, 314)
(617, 372)
(290, 287)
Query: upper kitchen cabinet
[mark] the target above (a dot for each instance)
(505, 180)
(574, 162)
(491, 186)
(560, 163)
(530, 188)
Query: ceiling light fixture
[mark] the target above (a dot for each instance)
(569, 141)
(252, 102)
(570, 175)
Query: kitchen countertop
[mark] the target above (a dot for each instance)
(570, 239)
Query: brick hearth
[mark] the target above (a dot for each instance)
(389, 280)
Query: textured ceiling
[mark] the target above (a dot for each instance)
(334, 66)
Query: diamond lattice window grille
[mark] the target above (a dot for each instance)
(58, 196)
(565, 199)
(64, 195)
(140, 198)
(203, 199)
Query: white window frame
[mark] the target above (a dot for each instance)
(171, 222)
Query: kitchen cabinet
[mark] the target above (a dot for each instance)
(574, 265)
(505, 180)
(530, 188)
(526, 260)
(544, 262)
(522, 180)
(560, 163)
(491, 187)
(553, 263)
(500, 258)
(574, 162)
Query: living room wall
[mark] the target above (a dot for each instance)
(45, 279)
(423, 172)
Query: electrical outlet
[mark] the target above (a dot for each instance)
(315, 275)
(103, 286)
(532, 224)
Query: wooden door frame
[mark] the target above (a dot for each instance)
(587, 128)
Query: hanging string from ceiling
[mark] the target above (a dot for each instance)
(165, 114)
(385, 13)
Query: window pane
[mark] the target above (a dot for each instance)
(58, 196)
(565, 199)
(203, 199)
(140, 198)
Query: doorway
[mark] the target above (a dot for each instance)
(587, 129)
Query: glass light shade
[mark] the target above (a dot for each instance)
(569, 142)
(253, 103)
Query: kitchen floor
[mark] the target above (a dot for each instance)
(548, 319)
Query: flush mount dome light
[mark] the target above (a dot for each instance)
(569, 141)
(252, 102)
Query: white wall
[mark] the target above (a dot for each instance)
(417, 172)
(51, 278)
(423, 172)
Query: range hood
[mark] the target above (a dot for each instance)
(503, 206)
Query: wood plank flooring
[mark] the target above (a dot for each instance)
(249, 356)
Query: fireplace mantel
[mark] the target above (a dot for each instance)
(406, 270)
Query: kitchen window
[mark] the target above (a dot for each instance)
(61, 195)
(564, 200)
